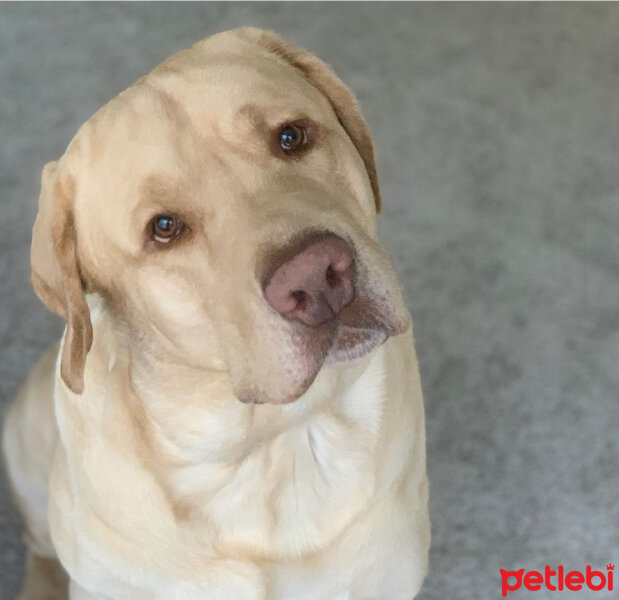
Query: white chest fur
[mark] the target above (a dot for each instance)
(252, 502)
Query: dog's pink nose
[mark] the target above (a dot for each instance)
(314, 285)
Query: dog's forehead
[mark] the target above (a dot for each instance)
(216, 90)
(217, 80)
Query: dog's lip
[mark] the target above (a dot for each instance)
(339, 353)
(349, 340)
(353, 343)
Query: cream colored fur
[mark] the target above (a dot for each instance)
(163, 485)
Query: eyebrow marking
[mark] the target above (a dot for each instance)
(161, 190)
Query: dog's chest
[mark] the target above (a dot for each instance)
(296, 491)
(292, 497)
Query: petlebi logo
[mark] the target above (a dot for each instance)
(557, 580)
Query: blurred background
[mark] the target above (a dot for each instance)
(497, 133)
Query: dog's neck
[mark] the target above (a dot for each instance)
(195, 416)
(191, 414)
(247, 469)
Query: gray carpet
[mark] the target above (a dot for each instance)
(497, 131)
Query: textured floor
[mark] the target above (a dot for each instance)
(497, 131)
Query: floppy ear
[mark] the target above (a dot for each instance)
(55, 272)
(344, 103)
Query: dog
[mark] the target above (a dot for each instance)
(235, 410)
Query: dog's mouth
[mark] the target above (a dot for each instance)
(358, 330)
(351, 343)
(362, 326)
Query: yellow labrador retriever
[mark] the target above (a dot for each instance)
(234, 412)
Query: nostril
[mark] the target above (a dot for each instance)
(332, 276)
(300, 297)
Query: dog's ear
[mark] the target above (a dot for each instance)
(326, 81)
(55, 272)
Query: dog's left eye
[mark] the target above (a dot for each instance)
(292, 137)
(164, 228)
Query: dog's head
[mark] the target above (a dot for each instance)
(225, 207)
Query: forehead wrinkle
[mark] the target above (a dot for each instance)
(266, 117)
(233, 142)
(169, 105)
(196, 67)
(237, 71)
(180, 128)
(162, 192)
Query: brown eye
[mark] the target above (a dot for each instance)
(164, 228)
(292, 137)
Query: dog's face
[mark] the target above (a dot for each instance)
(225, 207)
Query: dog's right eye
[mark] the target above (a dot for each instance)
(164, 228)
